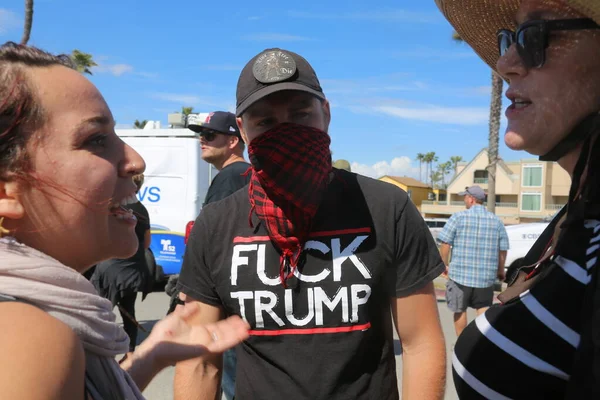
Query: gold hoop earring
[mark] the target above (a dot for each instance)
(3, 230)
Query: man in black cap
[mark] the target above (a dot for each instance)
(320, 261)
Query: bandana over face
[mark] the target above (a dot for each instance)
(291, 166)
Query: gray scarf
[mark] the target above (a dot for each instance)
(33, 277)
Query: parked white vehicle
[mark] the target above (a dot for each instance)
(521, 237)
(436, 225)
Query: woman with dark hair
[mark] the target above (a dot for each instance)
(64, 178)
(120, 280)
(543, 342)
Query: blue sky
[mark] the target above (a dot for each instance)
(397, 83)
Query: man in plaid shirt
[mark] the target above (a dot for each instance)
(479, 243)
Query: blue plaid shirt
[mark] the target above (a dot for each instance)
(476, 236)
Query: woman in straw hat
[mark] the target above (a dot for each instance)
(543, 342)
(64, 179)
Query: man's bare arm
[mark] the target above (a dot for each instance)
(501, 265)
(445, 254)
(200, 378)
(423, 347)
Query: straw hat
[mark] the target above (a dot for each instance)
(478, 21)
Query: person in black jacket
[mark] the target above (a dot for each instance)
(119, 280)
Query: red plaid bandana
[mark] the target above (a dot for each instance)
(290, 172)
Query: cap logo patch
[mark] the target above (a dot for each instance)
(231, 128)
(274, 66)
(207, 121)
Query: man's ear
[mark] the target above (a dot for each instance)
(327, 112)
(233, 141)
(240, 125)
(11, 206)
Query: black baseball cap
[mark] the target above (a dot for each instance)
(220, 121)
(271, 71)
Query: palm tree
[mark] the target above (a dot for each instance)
(28, 21)
(435, 177)
(83, 61)
(444, 169)
(494, 138)
(140, 124)
(420, 159)
(454, 160)
(427, 158)
(430, 158)
(494, 134)
(187, 110)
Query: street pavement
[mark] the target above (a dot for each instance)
(154, 307)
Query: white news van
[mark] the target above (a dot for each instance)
(175, 185)
(521, 237)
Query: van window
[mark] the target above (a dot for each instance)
(435, 223)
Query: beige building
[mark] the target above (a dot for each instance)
(526, 190)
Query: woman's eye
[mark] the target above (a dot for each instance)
(97, 141)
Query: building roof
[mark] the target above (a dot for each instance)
(405, 180)
(501, 163)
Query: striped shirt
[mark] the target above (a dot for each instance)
(525, 348)
(476, 236)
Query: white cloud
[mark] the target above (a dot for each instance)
(397, 82)
(444, 115)
(184, 99)
(389, 15)
(479, 91)
(113, 69)
(399, 166)
(149, 75)
(274, 37)
(9, 21)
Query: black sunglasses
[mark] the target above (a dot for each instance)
(209, 135)
(532, 38)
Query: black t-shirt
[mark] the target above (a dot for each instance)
(113, 278)
(328, 335)
(143, 221)
(228, 181)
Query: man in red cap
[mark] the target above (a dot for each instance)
(321, 262)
